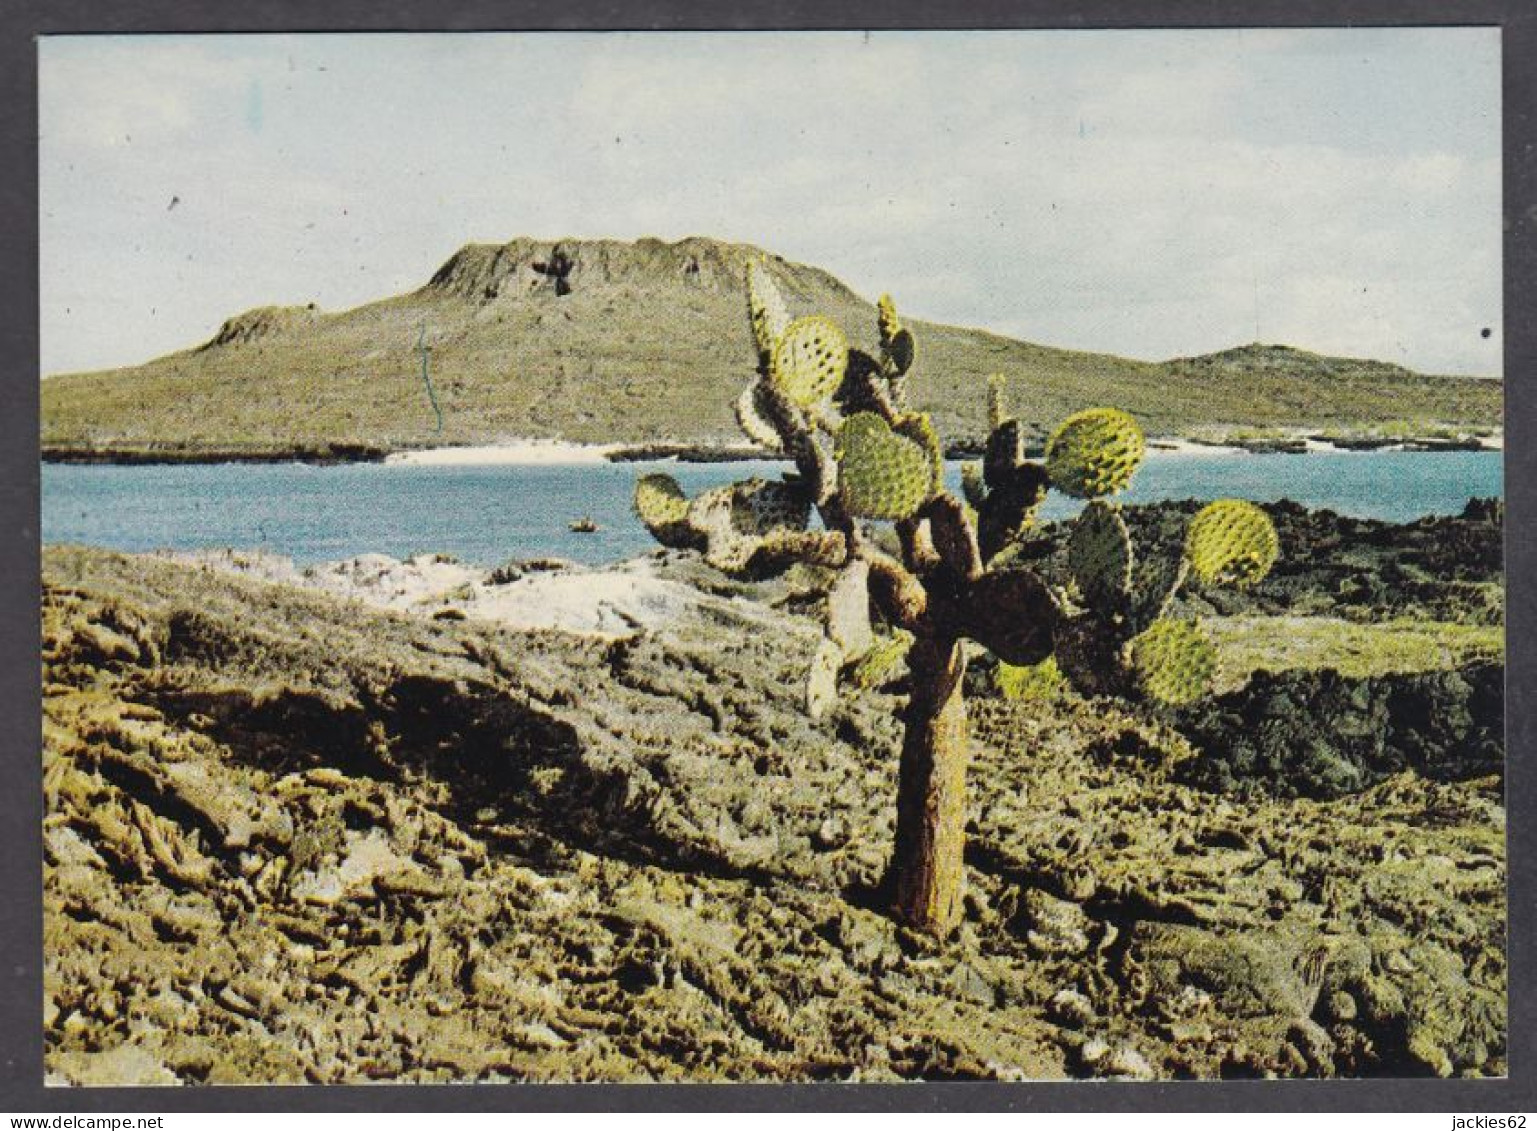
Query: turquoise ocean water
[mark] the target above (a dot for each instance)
(489, 514)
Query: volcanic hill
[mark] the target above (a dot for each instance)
(608, 341)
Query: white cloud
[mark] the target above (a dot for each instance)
(1116, 191)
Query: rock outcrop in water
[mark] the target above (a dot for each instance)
(290, 837)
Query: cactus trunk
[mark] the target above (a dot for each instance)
(927, 868)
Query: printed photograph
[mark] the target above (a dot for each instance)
(772, 556)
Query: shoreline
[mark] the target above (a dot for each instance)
(522, 452)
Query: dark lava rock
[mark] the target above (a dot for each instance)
(1321, 734)
(1440, 567)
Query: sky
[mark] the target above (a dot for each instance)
(1147, 193)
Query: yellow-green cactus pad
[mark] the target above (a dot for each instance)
(886, 316)
(809, 360)
(881, 661)
(1173, 661)
(897, 341)
(1231, 542)
(919, 428)
(881, 475)
(1099, 554)
(765, 310)
(659, 500)
(1028, 682)
(662, 506)
(750, 418)
(1095, 452)
(997, 410)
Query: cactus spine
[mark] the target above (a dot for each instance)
(863, 455)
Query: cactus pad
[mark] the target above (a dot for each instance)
(1232, 542)
(881, 474)
(771, 506)
(919, 428)
(1099, 555)
(1173, 661)
(902, 351)
(1004, 454)
(735, 519)
(886, 317)
(765, 310)
(662, 506)
(659, 499)
(750, 418)
(997, 410)
(1094, 452)
(809, 360)
(972, 485)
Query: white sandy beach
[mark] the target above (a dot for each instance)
(524, 452)
(1168, 448)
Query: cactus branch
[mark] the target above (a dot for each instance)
(954, 536)
(897, 593)
(927, 864)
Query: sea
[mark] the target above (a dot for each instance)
(490, 514)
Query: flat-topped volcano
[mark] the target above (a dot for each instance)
(646, 341)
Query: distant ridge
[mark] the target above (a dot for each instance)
(1257, 357)
(646, 341)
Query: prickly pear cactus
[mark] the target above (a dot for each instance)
(1094, 453)
(898, 346)
(766, 310)
(1099, 556)
(973, 487)
(1173, 661)
(949, 571)
(753, 421)
(809, 360)
(886, 320)
(997, 410)
(662, 506)
(883, 475)
(1231, 542)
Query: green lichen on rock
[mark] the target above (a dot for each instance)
(881, 660)
(1029, 682)
(1231, 542)
(1094, 453)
